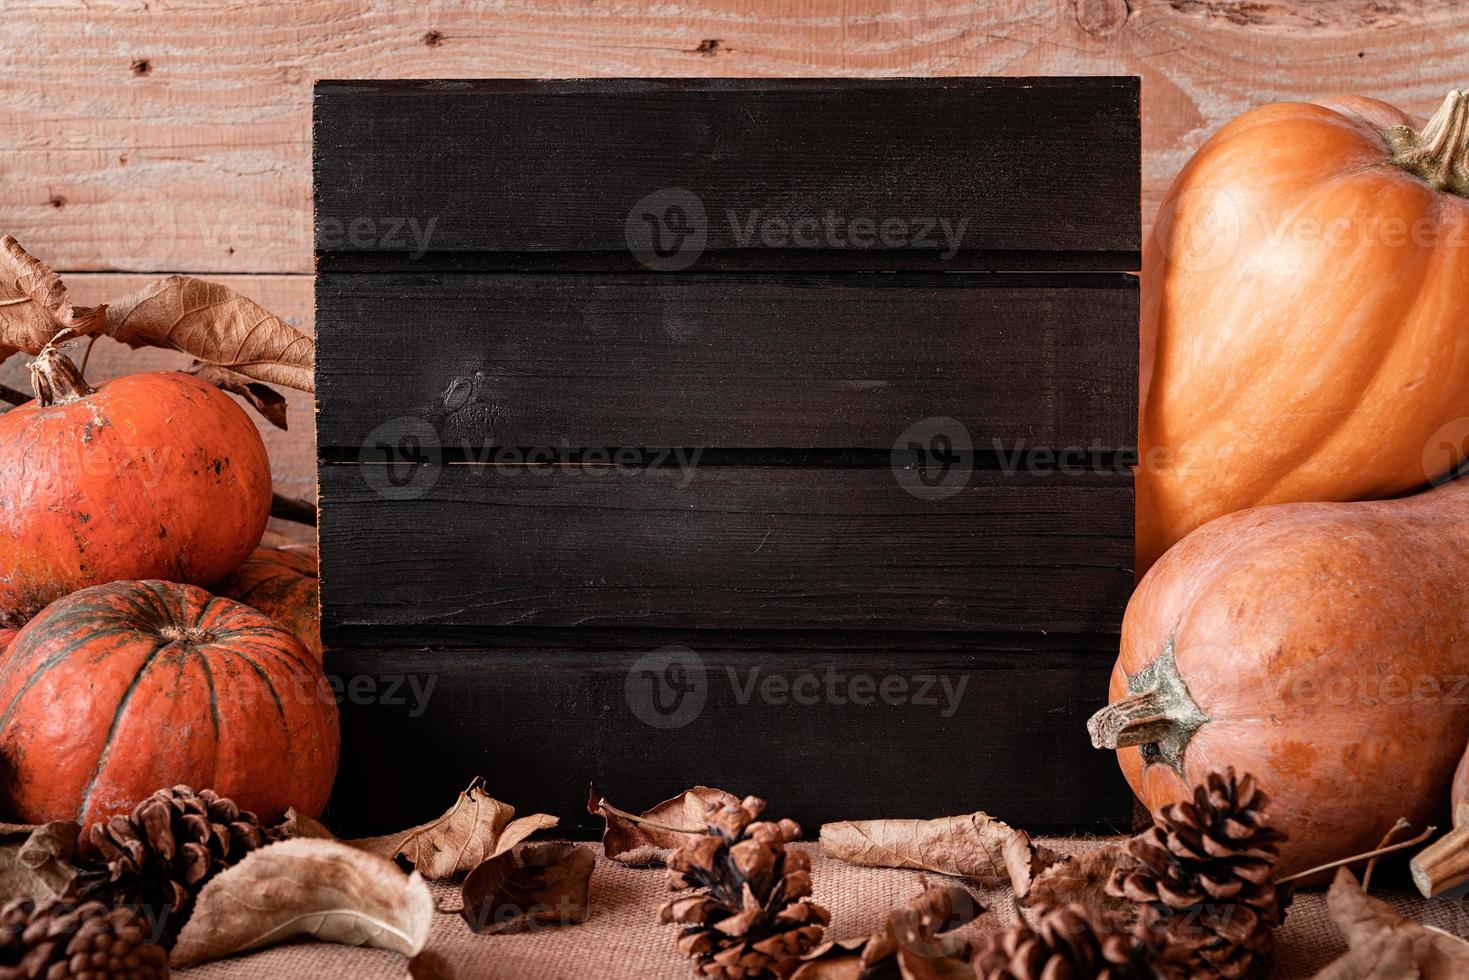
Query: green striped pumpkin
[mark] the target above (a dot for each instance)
(117, 690)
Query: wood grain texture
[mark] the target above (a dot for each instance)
(724, 547)
(176, 136)
(730, 360)
(998, 728)
(874, 169)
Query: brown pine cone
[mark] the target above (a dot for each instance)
(751, 913)
(1204, 879)
(158, 857)
(1073, 942)
(58, 941)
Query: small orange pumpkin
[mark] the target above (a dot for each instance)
(122, 689)
(1319, 646)
(1304, 297)
(154, 475)
(283, 584)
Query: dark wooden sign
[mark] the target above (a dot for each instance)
(765, 434)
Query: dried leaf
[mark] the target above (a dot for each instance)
(538, 884)
(270, 403)
(476, 828)
(640, 845)
(296, 824)
(217, 326)
(429, 965)
(210, 321)
(35, 861)
(34, 306)
(302, 887)
(1080, 879)
(913, 932)
(971, 846)
(1383, 944)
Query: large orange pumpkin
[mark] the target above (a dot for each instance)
(154, 475)
(122, 689)
(1322, 647)
(1305, 314)
(283, 584)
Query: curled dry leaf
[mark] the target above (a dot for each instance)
(307, 887)
(665, 826)
(270, 403)
(34, 306)
(538, 884)
(1079, 879)
(297, 824)
(1382, 944)
(35, 861)
(207, 320)
(975, 845)
(476, 828)
(217, 326)
(911, 938)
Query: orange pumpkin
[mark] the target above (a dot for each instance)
(283, 584)
(154, 475)
(1319, 646)
(122, 689)
(1304, 298)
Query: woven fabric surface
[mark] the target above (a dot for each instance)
(622, 938)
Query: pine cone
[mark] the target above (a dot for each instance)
(158, 857)
(58, 941)
(1204, 878)
(751, 912)
(1073, 942)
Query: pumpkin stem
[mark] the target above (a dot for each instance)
(1440, 152)
(1158, 714)
(1445, 863)
(55, 378)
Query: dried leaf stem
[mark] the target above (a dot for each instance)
(1353, 859)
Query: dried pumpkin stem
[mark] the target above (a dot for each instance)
(56, 379)
(1158, 714)
(1445, 863)
(1440, 152)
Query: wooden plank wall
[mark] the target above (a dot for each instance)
(145, 136)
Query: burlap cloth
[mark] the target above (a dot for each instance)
(622, 938)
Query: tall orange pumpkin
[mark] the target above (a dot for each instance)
(1305, 314)
(122, 689)
(282, 583)
(154, 475)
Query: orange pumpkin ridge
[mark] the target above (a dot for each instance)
(1319, 646)
(119, 690)
(154, 475)
(1303, 297)
(283, 584)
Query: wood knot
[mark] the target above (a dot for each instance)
(710, 47)
(57, 201)
(1101, 18)
(433, 39)
(141, 66)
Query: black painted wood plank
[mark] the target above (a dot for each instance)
(954, 167)
(795, 361)
(724, 547)
(817, 738)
